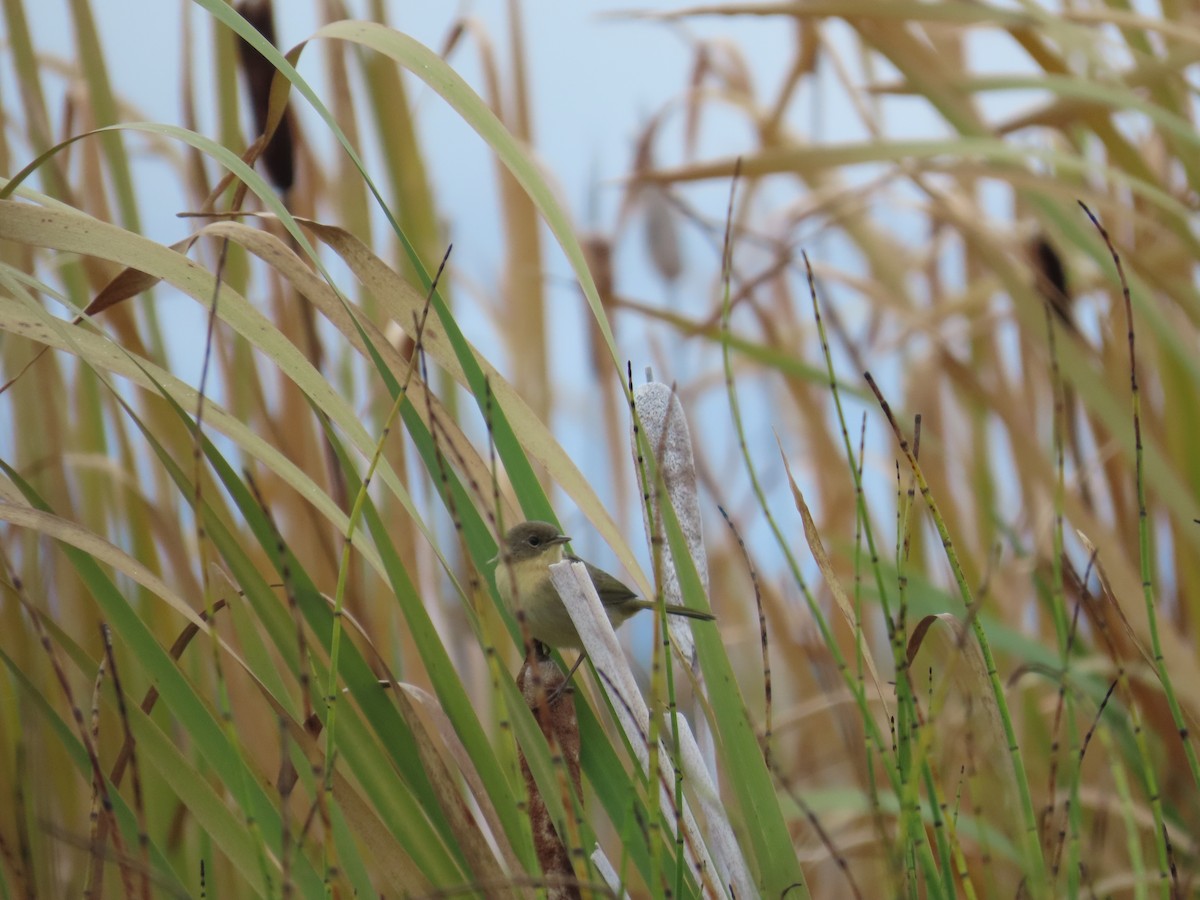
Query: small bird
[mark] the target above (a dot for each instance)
(523, 579)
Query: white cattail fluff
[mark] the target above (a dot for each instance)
(667, 436)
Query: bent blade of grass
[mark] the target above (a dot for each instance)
(78, 233)
(815, 544)
(432, 69)
(480, 544)
(435, 72)
(520, 473)
(126, 819)
(451, 693)
(480, 860)
(177, 693)
(409, 805)
(97, 548)
(101, 353)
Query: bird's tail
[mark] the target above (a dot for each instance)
(676, 610)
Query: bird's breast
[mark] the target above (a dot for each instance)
(525, 587)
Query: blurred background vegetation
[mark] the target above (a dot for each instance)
(961, 664)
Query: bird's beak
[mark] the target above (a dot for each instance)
(561, 539)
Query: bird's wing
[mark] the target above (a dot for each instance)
(611, 590)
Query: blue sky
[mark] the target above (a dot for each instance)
(595, 79)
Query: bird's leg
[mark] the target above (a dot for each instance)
(562, 688)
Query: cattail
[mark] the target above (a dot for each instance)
(279, 156)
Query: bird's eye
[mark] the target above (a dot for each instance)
(534, 540)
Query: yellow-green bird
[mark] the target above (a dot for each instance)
(523, 579)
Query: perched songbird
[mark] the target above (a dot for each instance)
(523, 579)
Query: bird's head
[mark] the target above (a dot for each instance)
(531, 540)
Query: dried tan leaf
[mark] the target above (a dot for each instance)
(823, 563)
